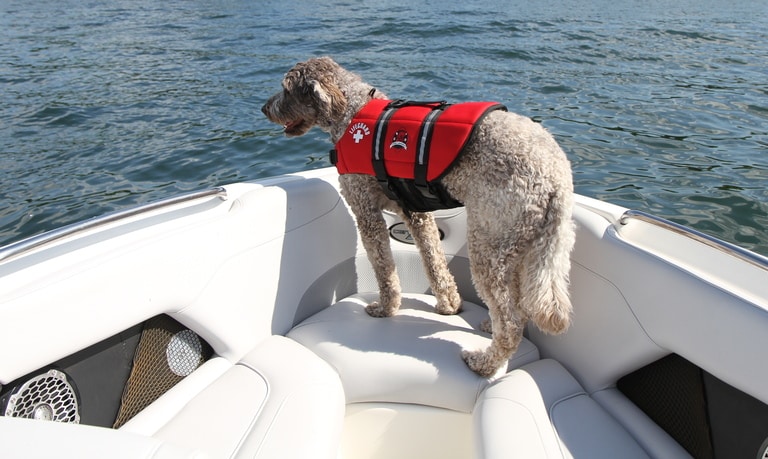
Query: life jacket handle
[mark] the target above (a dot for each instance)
(435, 104)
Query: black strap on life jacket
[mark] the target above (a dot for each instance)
(413, 195)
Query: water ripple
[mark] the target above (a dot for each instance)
(661, 107)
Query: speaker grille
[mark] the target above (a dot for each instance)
(167, 352)
(47, 396)
(184, 353)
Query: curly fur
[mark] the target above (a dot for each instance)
(516, 184)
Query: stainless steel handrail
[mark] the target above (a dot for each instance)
(726, 247)
(23, 246)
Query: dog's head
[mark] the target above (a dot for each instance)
(311, 96)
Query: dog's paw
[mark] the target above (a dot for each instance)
(480, 363)
(486, 326)
(448, 304)
(376, 309)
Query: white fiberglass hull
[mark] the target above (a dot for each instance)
(243, 265)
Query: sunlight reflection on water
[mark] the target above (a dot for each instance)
(105, 106)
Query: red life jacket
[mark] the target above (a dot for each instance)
(409, 146)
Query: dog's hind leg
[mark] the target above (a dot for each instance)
(495, 272)
(507, 334)
(427, 238)
(499, 239)
(507, 324)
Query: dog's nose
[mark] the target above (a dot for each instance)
(264, 108)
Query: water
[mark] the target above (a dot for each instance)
(661, 106)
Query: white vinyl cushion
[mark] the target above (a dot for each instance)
(279, 401)
(541, 411)
(28, 438)
(412, 357)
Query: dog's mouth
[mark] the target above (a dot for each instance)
(295, 127)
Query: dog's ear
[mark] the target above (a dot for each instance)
(290, 80)
(331, 101)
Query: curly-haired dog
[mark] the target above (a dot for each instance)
(515, 183)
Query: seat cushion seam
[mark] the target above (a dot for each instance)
(532, 418)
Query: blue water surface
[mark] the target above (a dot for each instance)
(661, 106)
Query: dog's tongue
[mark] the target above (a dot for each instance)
(292, 124)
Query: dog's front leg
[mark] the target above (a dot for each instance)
(373, 232)
(427, 238)
(365, 197)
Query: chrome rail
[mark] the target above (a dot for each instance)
(25, 245)
(710, 241)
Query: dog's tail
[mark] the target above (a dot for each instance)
(545, 273)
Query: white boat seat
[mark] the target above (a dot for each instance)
(28, 438)
(280, 400)
(541, 411)
(412, 357)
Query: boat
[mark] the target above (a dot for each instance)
(229, 322)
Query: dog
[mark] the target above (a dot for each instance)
(515, 183)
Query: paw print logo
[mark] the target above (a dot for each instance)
(400, 140)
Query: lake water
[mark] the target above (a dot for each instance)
(661, 106)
